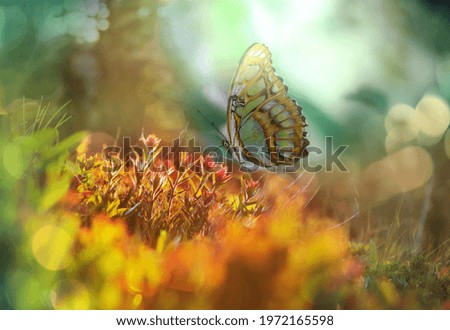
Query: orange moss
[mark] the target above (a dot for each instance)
(177, 240)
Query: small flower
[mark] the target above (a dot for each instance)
(151, 141)
(209, 164)
(222, 175)
(250, 186)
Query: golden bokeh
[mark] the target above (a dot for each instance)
(433, 115)
(51, 247)
(426, 124)
(12, 160)
(70, 294)
(401, 123)
(402, 171)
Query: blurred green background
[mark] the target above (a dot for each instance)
(130, 64)
(119, 67)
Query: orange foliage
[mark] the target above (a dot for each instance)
(190, 240)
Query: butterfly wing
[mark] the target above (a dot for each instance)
(263, 121)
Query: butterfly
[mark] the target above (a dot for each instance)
(265, 126)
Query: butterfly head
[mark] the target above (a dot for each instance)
(228, 147)
(225, 144)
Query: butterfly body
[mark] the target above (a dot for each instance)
(265, 126)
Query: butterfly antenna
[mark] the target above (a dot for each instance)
(212, 124)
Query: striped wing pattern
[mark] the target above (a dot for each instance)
(264, 123)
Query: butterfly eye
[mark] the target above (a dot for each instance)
(233, 103)
(229, 149)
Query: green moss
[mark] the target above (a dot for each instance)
(420, 277)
